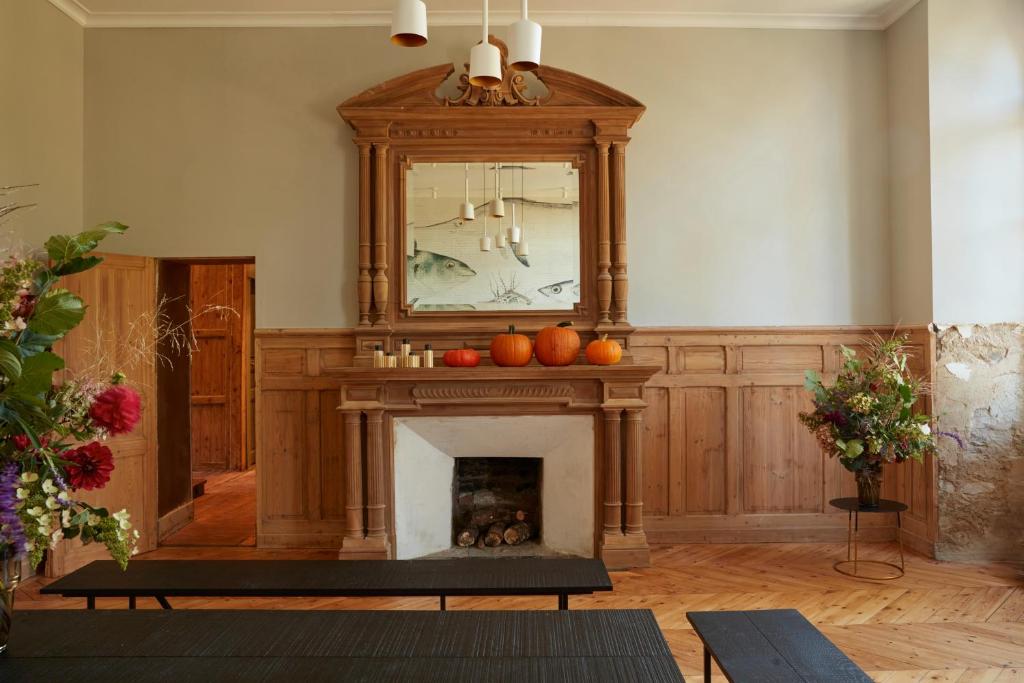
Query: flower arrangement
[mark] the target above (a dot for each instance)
(52, 433)
(867, 418)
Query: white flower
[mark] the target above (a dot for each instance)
(35, 512)
(52, 503)
(125, 524)
(63, 496)
(29, 477)
(56, 537)
(22, 494)
(44, 531)
(93, 519)
(121, 514)
(44, 520)
(136, 534)
(65, 518)
(925, 429)
(30, 546)
(135, 551)
(17, 324)
(49, 488)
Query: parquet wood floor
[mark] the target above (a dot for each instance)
(941, 622)
(225, 515)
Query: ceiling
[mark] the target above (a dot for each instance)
(810, 14)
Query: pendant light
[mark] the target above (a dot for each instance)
(524, 43)
(409, 23)
(466, 211)
(515, 232)
(523, 248)
(485, 61)
(498, 204)
(485, 239)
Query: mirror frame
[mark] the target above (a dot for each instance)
(404, 121)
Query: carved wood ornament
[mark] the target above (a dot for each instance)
(553, 115)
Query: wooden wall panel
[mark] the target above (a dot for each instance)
(725, 459)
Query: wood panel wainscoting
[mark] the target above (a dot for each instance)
(725, 459)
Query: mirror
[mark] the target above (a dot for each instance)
(460, 256)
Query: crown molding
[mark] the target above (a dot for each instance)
(623, 19)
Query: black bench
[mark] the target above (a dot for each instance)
(771, 645)
(162, 579)
(242, 645)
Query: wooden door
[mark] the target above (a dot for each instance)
(218, 372)
(116, 334)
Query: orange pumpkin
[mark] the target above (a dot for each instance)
(558, 345)
(604, 351)
(461, 358)
(511, 350)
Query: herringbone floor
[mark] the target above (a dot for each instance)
(941, 622)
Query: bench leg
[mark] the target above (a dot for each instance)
(444, 604)
(707, 665)
(563, 602)
(163, 602)
(131, 602)
(90, 602)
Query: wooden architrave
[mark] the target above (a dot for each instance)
(403, 121)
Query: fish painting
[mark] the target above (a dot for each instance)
(435, 272)
(505, 293)
(567, 291)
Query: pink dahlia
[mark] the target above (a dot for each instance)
(90, 466)
(117, 409)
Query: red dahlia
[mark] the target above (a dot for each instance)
(116, 409)
(90, 466)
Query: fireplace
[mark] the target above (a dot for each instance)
(540, 466)
(496, 504)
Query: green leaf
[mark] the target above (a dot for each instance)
(78, 265)
(57, 313)
(854, 447)
(63, 248)
(31, 343)
(71, 532)
(811, 380)
(10, 360)
(36, 377)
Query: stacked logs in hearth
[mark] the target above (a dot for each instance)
(491, 528)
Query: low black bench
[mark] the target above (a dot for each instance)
(163, 579)
(768, 646)
(585, 646)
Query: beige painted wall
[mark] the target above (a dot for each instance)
(41, 70)
(976, 69)
(906, 44)
(757, 179)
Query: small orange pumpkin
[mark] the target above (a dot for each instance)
(604, 351)
(559, 345)
(511, 350)
(461, 358)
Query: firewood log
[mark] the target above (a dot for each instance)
(517, 533)
(494, 535)
(467, 537)
(520, 515)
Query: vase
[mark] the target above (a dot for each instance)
(10, 576)
(869, 486)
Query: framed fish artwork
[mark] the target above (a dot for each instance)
(492, 236)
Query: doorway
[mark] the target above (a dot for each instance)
(206, 422)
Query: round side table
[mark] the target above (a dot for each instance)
(852, 566)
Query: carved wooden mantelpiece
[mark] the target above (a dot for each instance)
(551, 115)
(614, 396)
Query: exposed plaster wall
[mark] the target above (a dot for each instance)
(979, 394)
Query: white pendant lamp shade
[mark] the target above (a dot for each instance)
(409, 23)
(523, 248)
(499, 238)
(485, 61)
(497, 204)
(515, 232)
(524, 43)
(485, 243)
(466, 211)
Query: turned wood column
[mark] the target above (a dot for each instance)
(353, 475)
(612, 472)
(604, 258)
(376, 493)
(620, 282)
(365, 218)
(380, 232)
(634, 472)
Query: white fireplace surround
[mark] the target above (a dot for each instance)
(424, 449)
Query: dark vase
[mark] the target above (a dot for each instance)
(10, 576)
(869, 486)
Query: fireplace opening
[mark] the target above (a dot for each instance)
(496, 504)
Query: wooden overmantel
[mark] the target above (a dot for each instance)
(371, 399)
(552, 115)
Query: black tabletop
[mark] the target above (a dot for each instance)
(252, 578)
(853, 505)
(773, 646)
(157, 645)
